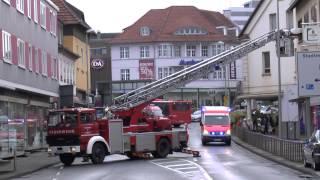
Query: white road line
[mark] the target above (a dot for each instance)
(61, 167)
(54, 179)
(58, 173)
(191, 172)
(195, 159)
(186, 168)
(172, 162)
(203, 171)
(179, 165)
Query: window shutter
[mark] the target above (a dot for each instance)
(38, 6)
(26, 50)
(14, 49)
(32, 9)
(1, 48)
(48, 18)
(26, 8)
(13, 3)
(40, 60)
(49, 65)
(33, 58)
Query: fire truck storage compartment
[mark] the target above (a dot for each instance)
(116, 136)
(145, 142)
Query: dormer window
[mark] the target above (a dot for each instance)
(190, 31)
(145, 31)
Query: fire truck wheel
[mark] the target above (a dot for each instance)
(67, 159)
(98, 153)
(163, 148)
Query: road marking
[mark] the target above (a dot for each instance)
(203, 171)
(195, 159)
(183, 168)
(58, 173)
(178, 165)
(170, 162)
(61, 167)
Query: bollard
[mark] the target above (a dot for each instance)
(14, 159)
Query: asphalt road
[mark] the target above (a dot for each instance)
(216, 162)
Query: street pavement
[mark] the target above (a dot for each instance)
(217, 161)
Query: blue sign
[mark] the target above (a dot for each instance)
(310, 86)
(187, 63)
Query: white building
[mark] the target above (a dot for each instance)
(260, 67)
(240, 15)
(164, 41)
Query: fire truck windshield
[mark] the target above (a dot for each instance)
(62, 119)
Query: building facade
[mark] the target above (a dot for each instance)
(28, 71)
(260, 84)
(165, 41)
(240, 15)
(100, 65)
(75, 39)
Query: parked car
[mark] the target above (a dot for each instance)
(196, 116)
(311, 151)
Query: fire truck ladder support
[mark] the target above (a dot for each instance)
(191, 73)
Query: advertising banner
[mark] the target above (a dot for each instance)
(146, 69)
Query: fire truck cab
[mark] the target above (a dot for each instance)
(77, 132)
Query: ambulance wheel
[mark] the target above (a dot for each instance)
(163, 148)
(98, 153)
(67, 159)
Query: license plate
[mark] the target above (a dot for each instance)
(217, 139)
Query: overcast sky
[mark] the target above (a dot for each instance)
(115, 15)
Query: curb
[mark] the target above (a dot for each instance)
(17, 175)
(274, 158)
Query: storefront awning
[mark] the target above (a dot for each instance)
(259, 96)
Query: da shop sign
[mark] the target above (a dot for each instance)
(146, 69)
(97, 63)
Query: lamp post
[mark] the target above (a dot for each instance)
(88, 62)
(279, 74)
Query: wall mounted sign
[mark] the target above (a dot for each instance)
(97, 63)
(146, 69)
(187, 62)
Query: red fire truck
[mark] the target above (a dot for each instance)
(77, 132)
(178, 111)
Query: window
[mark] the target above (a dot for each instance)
(144, 51)
(53, 68)
(20, 6)
(306, 17)
(30, 57)
(177, 51)
(44, 63)
(273, 22)
(204, 51)
(29, 8)
(144, 31)
(7, 48)
(313, 13)
(191, 51)
(124, 52)
(35, 10)
(190, 31)
(167, 71)
(21, 53)
(43, 15)
(125, 74)
(164, 50)
(217, 48)
(266, 63)
(36, 60)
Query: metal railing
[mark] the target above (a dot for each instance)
(291, 150)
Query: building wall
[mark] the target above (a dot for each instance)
(257, 82)
(20, 26)
(81, 66)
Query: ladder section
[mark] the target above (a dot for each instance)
(191, 73)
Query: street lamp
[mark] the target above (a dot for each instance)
(279, 74)
(88, 62)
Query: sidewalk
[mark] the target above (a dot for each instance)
(25, 165)
(293, 165)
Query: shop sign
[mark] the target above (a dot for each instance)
(187, 62)
(146, 69)
(97, 63)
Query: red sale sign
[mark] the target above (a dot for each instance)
(146, 69)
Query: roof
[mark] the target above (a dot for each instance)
(294, 4)
(70, 15)
(250, 18)
(165, 22)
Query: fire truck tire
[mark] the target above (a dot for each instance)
(98, 153)
(67, 159)
(163, 148)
